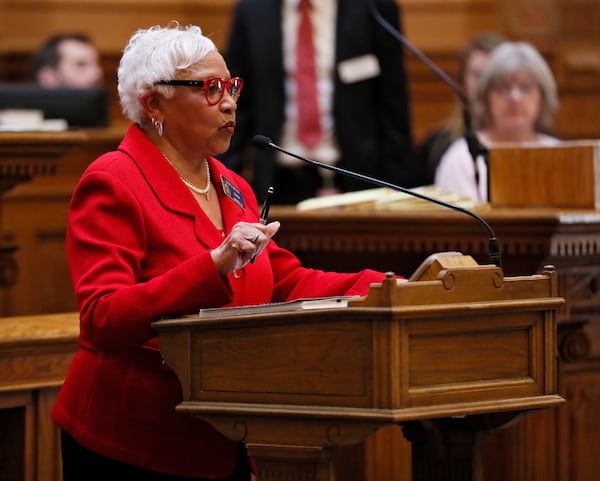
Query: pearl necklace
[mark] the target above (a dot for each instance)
(191, 186)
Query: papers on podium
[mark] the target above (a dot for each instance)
(295, 305)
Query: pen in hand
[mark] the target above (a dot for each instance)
(264, 215)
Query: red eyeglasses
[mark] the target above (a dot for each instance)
(214, 88)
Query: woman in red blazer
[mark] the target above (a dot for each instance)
(158, 228)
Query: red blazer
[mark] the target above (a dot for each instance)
(138, 246)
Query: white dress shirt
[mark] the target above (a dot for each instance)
(323, 16)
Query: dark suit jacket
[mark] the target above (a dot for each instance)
(372, 119)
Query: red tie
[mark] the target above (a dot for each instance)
(309, 120)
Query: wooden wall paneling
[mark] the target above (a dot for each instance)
(579, 116)
(577, 69)
(17, 436)
(387, 455)
(48, 455)
(431, 100)
(29, 440)
(35, 217)
(35, 352)
(555, 445)
(579, 440)
(109, 22)
(536, 21)
(525, 449)
(563, 30)
(38, 224)
(438, 25)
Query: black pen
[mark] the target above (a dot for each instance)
(264, 215)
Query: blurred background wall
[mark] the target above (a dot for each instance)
(566, 31)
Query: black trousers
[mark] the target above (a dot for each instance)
(81, 464)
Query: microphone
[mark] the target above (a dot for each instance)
(265, 143)
(474, 145)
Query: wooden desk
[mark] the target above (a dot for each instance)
(34, 216)
(530, 238)
(24, 156)
(35, 352)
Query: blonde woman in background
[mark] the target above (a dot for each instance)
(473, 59)
(516, 100)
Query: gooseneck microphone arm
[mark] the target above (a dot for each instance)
(262, 142)
(474, 145)
(417, 53)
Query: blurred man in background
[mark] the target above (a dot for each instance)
(67, 60)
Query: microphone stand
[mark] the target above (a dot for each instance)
(262, 142)
(474, 145)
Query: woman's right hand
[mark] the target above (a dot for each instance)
(245, 241)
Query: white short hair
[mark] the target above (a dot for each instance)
(155, 54)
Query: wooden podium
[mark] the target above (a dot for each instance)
(448, 358)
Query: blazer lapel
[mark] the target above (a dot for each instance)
(164, 181)
(234, 206)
